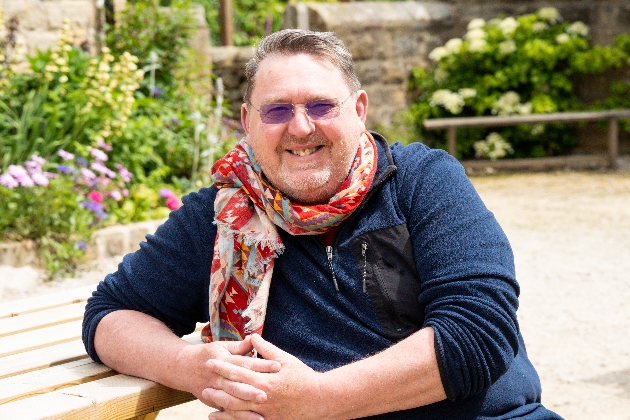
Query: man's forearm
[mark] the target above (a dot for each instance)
(404, 376)
(137, 344)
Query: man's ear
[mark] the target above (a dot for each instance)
(245, 118)
(362, 105)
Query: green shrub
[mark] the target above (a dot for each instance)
(511, 66)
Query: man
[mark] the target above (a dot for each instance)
(380, 283)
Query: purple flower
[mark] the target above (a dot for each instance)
(8, 181)
(123, 172)
(176, 121)
(66, 169)
(65, 155)
(50, 175)
(92, 206)
(26, 181)
(81, 245)
(156, 92)
(82, 162)
(104, 146)
(116, 195)
(33, 166)
(98, 154)
(87, 174)
(40, 179)
(99, 167)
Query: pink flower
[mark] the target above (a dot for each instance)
(26, 181)
(95, 196)
(8, 181)
(17, 171)
(166, 193)
(173, 203)
(116, 195)
(38, 159)
(99, 155)
(123, 172)
(99, 167)
(104, 146)
(65, 155)
(87, 174)
(39, 178)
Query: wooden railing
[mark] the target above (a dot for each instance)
(452, 124)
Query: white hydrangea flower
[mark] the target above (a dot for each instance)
(467, 93)
(550, 14)
(578, 28)
(451, 101)
(538, 27)
(507, 104)
(453, 45)
(440, 75)
(477, 45)
(438, 53)
(493, 147)
(476, 34)
(507, 47)
(525, 109)
(476, 24)
(563, 38)
(538, 129)
(508, 25)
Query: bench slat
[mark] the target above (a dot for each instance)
(40, 303)
(41, 358)
(31, 340)
(496, 121)
(51, 379)
(41, 319)
(117, 397)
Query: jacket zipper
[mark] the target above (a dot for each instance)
(329, 253)
(364, 247)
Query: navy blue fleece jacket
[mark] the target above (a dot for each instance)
(465, 276)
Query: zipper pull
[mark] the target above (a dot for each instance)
(363, 252)
(329, 252)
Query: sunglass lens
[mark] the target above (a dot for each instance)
(276, 113)
(322, 109)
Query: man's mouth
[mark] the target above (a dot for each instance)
(305, 152)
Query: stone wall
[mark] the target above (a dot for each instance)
(40, 21)
(387, 39)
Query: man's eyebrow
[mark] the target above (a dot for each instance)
(283, 100)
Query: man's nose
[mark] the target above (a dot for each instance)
(301, 124)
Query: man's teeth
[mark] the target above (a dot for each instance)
(304, 152)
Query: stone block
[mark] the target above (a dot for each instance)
(17, 254)
(80, 13)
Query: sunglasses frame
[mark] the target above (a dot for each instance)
(338, 106)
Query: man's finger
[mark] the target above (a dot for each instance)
(231, 371)
(220, 398)
(255, 364)
(238, 347)
(266, 349)
(234, 415)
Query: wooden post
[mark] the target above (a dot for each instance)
(451, 146)
(613, 142)
(226, 21)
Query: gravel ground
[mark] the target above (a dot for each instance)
(571, 238)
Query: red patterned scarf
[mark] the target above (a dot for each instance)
(247, 211)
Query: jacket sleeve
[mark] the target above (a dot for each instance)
(468, 287)
(167, 278)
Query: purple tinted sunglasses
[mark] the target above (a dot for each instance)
(321, 109)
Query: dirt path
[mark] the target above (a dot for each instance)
(571, 238)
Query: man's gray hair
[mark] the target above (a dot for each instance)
(326, 45)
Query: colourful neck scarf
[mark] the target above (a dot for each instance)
(247, 211)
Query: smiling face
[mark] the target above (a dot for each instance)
(306, 159)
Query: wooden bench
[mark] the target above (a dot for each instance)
(45, 372)
(452, 124)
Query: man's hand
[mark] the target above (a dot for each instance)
(292, 393)
(229, 353)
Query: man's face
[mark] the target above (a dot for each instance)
(306, 159)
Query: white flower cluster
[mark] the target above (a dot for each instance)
(476, 39)
(452, 101)
(578, 28)
(510, 103)
(550, 14)
(538, 27)
(111, 85)
(57, 67)
(563, 38)
(452, 46)
(507, 47)
(493, 147)
(508, 25)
